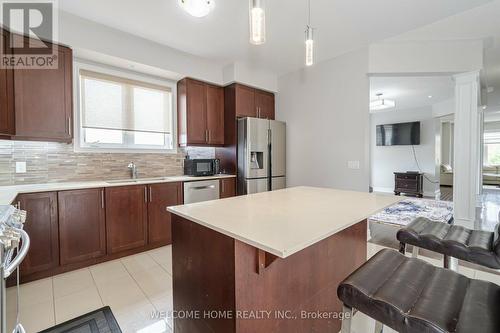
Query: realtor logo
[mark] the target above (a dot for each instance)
(32, 25)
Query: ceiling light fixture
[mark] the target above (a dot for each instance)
(309, 39)
(381, 103)
(257, 22)
(197, 8)
(430, 96)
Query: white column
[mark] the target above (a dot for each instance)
(466, 148)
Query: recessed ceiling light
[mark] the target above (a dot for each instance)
(430, 96)
(197, 8)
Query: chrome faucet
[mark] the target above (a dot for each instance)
(133, 170)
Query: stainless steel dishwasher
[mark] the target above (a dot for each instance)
(203, 190)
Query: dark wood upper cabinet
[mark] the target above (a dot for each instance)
(264, 104)
(245, 101)
(215, 114)
(42, 227)
(126, 217)
(43, 101)
(159, 220)
(227, 187)
(7, 118)
(200, 108)
(82, 228)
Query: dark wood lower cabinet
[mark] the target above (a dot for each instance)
(78, 228)
(42, 227)
(159, 220)
(227, 187)
(82, 227)
(126, 216)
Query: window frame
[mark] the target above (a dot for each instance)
(79, 140)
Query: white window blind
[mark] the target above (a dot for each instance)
(492, 137)
(113, 103)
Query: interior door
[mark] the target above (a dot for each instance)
(278, 148)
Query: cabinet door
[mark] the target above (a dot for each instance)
(196, 112)
(43, 100)
(264, 103)
(159, 220)
(126, 218)
(215, 114)
(82, 228)
(227, 187)
(245, 101)
(42, 228)
(7, 125)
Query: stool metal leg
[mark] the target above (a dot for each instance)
(402, 248)
(451, 263)
(379, 327)
(414, 252)
(346, 321)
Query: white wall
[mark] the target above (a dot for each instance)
(389, 159)
(99, 43)
(326, 110)
(444, 108)
(426, 57)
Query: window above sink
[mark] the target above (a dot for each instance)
(121, 111)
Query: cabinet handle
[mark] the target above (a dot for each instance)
(102, 199)
(69, 126)
(19, 205)
(150, 195)
(222, 185)
(206, 136)
(145, 194)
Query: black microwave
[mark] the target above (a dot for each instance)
(201, 167)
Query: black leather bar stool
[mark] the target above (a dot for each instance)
(475, 246)
(412, 296)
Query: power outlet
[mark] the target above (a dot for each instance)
(20, 167)
(353, 165)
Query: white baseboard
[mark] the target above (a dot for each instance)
(434, 194)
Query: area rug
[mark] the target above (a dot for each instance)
(404, 212)
(98, 321)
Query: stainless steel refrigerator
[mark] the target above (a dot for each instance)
(261, 155)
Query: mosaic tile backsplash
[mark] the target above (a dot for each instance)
(48, 162)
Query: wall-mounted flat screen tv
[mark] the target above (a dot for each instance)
(402, 134)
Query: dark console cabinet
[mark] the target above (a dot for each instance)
(409, 183)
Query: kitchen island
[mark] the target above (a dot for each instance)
(268, 262)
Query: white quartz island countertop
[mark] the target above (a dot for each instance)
(9, 193)
(286, 221)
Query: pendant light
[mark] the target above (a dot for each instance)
(257, 22)
(309, 39)
(382, 103)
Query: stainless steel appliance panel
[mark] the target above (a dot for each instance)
(256, 185)
(278, 183)
(202, 190)
(253, 142)
(278, 148)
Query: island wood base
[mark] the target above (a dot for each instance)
(216, 276)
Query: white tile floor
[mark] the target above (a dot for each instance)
(134, 287)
